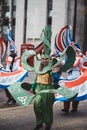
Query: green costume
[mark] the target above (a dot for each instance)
(43, 102)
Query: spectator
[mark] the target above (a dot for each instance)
(73, 73)
(12, 65)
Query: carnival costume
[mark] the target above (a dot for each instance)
(77, 75)
(73, 73)
(43, 102)
(13, 63)
(43, 87)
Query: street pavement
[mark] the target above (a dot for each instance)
(15, 117)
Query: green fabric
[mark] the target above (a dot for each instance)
(45, 69)
(24, 99)
(62, 57)
(55, 85)
(26, 86)
(43, 103)
(34, 85)
(70, 53)
(67, 93)
(20, 95)
(46, 34)
(46, 38)
(26, 66)
(69, 63)
(24, 58)
(70, 59)
(45, 56)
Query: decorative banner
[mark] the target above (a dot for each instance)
(78, 85)
(7, 78)
(63, 39)
(3, 48)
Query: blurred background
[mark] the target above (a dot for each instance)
(27, 18)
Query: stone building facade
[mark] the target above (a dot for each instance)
(32, 15)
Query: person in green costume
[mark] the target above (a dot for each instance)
(45, 69)
(43, 102)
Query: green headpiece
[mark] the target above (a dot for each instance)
(45, 38)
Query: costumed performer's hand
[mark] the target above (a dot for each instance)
(31, 91)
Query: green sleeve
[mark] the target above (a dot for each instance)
(34, 84)
(51, 73)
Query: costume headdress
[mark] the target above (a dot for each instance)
(45, 38)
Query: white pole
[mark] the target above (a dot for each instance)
(10, 20)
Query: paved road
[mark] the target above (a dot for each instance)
(22, 118)
(19, 118)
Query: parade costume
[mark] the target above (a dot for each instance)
(43, 102)
(13, 63)
(74, 73)
(43, 87)
(81, 63)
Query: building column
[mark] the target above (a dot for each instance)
(20, 5)
(59, 18)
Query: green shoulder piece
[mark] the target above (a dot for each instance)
(24, 58)
(70, 59)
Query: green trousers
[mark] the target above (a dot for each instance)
(43, 105)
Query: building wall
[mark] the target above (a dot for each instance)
(80, 23)
(19, 26)
(62, 13)
(85, 27)
(59, 18)
(70, 12)
(80, 20)
(36, 20)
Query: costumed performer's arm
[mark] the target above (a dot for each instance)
(32, 90)
(56, 74)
